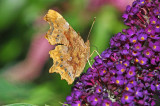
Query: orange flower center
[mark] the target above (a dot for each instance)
(126, 97)
(137, 47)
(131, 82)
(130, 72)
(134, 52)
(107, 104)
(104, 71)
(157, 26)
(142, 61)
(147, 53)
(154, 47)
(136, 60)
(117, 81)
(149, 30)
(96, 99)
(99, 90)
(142, 38)
(125, 64)
(122, 69)
(127, 88)
(134, 41)
(153, 22)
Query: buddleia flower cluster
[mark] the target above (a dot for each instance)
(128, 72)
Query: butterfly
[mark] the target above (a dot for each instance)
(71, 53)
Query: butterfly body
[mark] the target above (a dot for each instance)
(71, 52)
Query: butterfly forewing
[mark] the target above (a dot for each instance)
(71, 53)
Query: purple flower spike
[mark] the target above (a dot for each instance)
(131, 72)
(157, 27)
(94, 100)
(76, 103)
(148, 53)
(155, 46)
(99, 89)
(153, 20)
(138, 47)
(158, 86)
(156, 11)
(136, 53)
(130, 32)
(133, 40)
(128, 74)
(120, 68)
(126, 63)
(119, 80)
(153, 88)
(106, 102)
(132, 81)
(142, 37)
(138, 93)
(77, 94)
(143, 60)
(123, 38)
(129, 88)
(127, 98)
(125, 16)
(150, 30)
(69, 99)
(142, 2)
(156, 37)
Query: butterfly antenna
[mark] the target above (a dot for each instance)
(91, 27)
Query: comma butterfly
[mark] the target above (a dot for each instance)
(71, 53)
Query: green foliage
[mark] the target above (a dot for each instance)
(107, 24)
(9, 52)
(10, 91)
(18, 27)
(20, 104)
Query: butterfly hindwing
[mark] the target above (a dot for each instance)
(71, 53)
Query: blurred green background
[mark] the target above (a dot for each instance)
(24, 58)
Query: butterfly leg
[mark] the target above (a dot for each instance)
(89, 64)
(63, 104)
(96, 52)
(90, 57)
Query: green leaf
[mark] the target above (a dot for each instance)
(9, 10)
(20, 104)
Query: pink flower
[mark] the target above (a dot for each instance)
(119, 4)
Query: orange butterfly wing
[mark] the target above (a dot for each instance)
(71, 53)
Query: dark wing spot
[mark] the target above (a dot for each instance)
(69, 74)
(52, 28)
(61, 65)
(57, 39)
(57, 62)
(65, 69)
